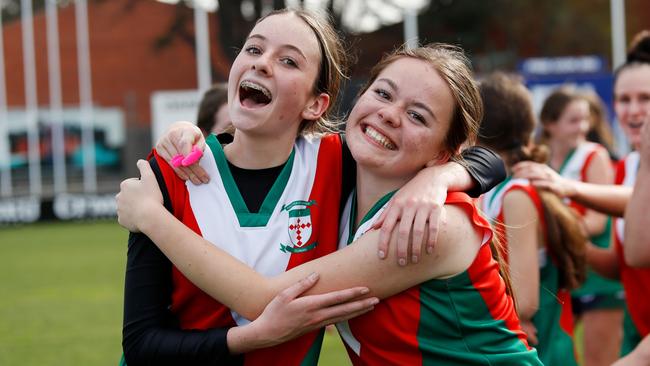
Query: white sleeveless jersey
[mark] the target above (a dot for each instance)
(574, 167)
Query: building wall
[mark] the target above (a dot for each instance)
(126, 64)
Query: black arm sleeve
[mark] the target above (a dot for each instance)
(151, 334)
(485, 167)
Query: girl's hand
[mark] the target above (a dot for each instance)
(137, 197)
(542, 176)
(179, 139)
(418, 208)
(289, 315)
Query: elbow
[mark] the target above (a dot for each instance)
(252, 303)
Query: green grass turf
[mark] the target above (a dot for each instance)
(62, 289)
(61, 293)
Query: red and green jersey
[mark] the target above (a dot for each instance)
(297, 222)
(467, 319)
(575, 167)
(554, 319)
(636, 281)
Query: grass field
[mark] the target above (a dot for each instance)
(61, 292)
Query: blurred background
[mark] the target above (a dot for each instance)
(86, 86)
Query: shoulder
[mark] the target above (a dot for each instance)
(459, 239)
(520, 205)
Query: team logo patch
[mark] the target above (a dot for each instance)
(299, 227)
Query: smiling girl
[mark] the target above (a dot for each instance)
(451, 307)
(273, 203)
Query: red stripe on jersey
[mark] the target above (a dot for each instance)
(588, 160)
(194, 308)
(389, 332)
(582, 210)
(566, 316)
(327, 192)
(485, 276)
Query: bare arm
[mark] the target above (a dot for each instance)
(212, 269)
(637, 218)
(355, 265)
(521, 221)
(418, 206)
(609, 199)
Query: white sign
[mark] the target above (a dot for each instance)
(171, 106)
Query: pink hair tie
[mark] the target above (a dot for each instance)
(177, 160)
(191, 158)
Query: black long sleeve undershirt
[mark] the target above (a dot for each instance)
(151, 334)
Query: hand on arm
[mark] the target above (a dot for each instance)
(285, 317)
(609, 199)
(179, 139)
(357, 265)
(542, 176)
(288, 315)
(416, 211)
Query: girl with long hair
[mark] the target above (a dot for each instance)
(566, 120)
(276, 191)
(545, 245)
(453, 306)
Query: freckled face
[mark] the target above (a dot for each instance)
(400, 123)
(271, 80)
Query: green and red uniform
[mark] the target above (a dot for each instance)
(554, 318)
(296, 223)
(467, 319)
(597, 292)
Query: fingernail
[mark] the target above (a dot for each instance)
(365, 290)
(374, 301)
(382, 255)
(402, 262)
(414, 259)
(429, 250)
(313, 276)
